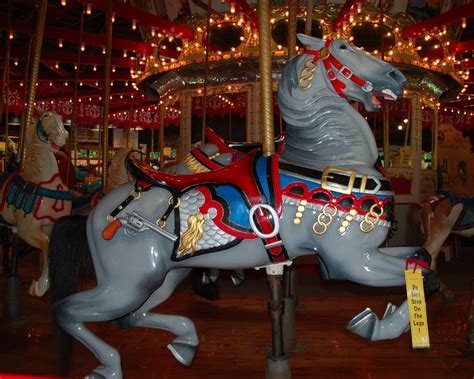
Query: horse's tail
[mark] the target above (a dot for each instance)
(68, 254)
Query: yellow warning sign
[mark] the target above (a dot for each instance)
(417, 307)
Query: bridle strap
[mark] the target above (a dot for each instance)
(331, 61)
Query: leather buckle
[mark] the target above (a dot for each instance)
(346, 72)
(338, 170)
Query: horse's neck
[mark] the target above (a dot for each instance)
(326, 130)
(118, 174)
(40, 163)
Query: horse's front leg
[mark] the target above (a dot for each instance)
(395, 320)
(184, 346)
(39, 287)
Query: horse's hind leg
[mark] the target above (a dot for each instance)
(184, 346)
(99, 304)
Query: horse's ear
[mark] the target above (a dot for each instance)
(39, 109)
(312, 43)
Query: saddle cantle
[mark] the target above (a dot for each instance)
(228, 194)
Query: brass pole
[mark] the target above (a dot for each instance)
(27, 121)
(73, 136)
(206, 70)
(152, 143)
(386, 134)
(6, 83)
(25, 94)
(105, 108)
(293, 10)
(161, 136)
(127, 142)
(266, 90)
(6, 91)
(309, 18)
(434, 138)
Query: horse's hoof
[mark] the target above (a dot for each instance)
(183, 353)
(236, 279)
(103, 372)
(449, 297)
(389, 310)
(95, 375)
(36, 289)
(363, 324)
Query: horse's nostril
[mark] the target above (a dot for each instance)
(397, 76)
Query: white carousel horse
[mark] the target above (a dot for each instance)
(33, 199)
(322, 196)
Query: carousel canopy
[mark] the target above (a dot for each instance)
(159, 46)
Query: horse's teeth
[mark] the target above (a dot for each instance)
(390, 93)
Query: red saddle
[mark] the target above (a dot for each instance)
(242, 174)
(239, 173)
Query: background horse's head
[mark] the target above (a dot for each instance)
(51, 130)
(346, 70)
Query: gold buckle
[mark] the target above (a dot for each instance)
(338, 170)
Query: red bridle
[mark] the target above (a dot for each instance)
(329, 62)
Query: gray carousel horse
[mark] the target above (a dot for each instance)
(322, 196)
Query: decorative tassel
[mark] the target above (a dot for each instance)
(192, 236)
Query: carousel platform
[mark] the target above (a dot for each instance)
(234, 332)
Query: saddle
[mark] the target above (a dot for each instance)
(251, 182)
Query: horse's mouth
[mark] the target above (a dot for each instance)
(53, 145)
(386, 94)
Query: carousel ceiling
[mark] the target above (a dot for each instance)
(158, 48)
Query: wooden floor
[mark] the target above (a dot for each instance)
(234, 333)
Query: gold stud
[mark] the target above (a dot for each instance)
(345, 223)
(342, 229)
(299, 214)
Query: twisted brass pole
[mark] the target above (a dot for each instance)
(23, 99)
(266, 91)
(206, 72)
(293, 10)
(309, 18)
(73, 130)
(105, 108)
(27, 120)
(161, 136)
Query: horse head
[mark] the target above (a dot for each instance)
(348, 71)
(51, 130)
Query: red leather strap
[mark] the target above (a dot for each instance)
(331, 61)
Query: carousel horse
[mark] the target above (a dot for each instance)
(34, 198)
(321, 196)
(464, 226)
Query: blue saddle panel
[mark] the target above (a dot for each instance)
(234, 199)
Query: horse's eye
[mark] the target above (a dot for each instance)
(343, 47)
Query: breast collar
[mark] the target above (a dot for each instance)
(331, 61)
(340, 179)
